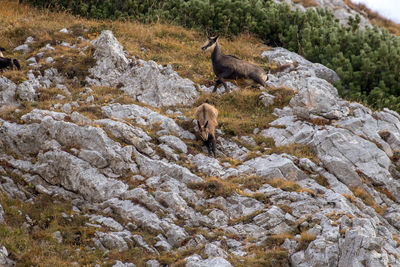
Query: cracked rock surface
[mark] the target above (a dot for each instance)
(134, 175)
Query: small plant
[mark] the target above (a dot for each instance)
(298, 150)
(277, 240)
(321, 180)
(304, 240)
(214, 187)
(285, 185)
(252, 182)
(263, 257)
(245, 219)
(367, 199)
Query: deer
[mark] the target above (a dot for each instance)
(231, 67)
(206, 116)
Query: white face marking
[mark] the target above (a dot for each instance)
(209, 47)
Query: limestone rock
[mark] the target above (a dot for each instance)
(113, 240)
(121, 264)
(174, 142)
(146, 117)
(196, 261)
(7, 91)
(145, 81)
(4, 260)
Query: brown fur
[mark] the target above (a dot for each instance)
(206, 116)
(231, 67)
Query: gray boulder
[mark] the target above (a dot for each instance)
(146, 117)
(174, 142)
(196, 261)
(158, 86)
(7, 91)
(136, 213)
(4, 259)
(74, 174)
(275, 166)
(316, 97)
(113, 240)
(24, 48)
(145, 81)
(121, 264)
(283, 57)
(129, 134)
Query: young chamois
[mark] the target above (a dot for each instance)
(231, 67)
(206, 116)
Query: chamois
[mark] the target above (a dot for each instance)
(6, 62)
(206, 116)
(231, 67)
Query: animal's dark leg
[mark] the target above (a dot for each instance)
(225, 85)
(208, 145)
(213, 147)
(217, 82)
(226, 74)
(16, 64)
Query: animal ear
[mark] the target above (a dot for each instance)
(205, 125)
(216, 38)
(198, 124)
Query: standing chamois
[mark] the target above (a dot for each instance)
(230, 67)
(206, 116)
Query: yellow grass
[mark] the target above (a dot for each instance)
(304, 240)
(367, 199)
(214, 187)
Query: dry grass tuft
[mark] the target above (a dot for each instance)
(385, 191)
(245, 219)
(263, 257)
(285, 185)
(252, 182)
(277, 240)
(214, 187)
(367, 199)
(321, 180)
(304, 240)
(298, 150)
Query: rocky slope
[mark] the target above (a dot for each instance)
(340, 9)
(131, 176)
